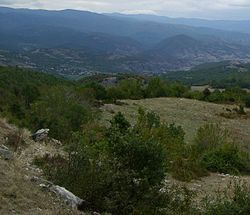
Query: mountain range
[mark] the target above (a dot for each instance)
(228, 25)
(74, 42)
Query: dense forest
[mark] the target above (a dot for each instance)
(121, 168)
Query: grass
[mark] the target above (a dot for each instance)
(190, 114)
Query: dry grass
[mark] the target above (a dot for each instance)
(18, 194)
(190, 114)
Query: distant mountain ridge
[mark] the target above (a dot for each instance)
(78, 42)
(228, 25)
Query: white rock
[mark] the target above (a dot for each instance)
(67, 196)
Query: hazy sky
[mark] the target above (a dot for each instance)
(212, 9)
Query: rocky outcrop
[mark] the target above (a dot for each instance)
(40, 135)
(68, 197)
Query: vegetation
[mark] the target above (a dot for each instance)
(235, 200)
(121, 168)
(218, 152)
(37, 100)
(136, 88)
(218, 75)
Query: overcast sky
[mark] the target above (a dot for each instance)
(211, 9)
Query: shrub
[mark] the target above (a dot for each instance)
(226, 159)
(61, 112)
(193, 94)
(218, 153)
(247, 101)
(53, 166)
(114, 169)
(235, 200)
(206, 93)
(187, 169)
(156, 88)
(120, 122)
(15, 139)
(210, 136)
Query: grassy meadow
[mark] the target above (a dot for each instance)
(190, 114)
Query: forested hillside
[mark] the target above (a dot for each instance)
(71, 42)
(219, 75)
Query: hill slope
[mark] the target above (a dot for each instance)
(19, 194)
(190, 114)
(230, 25)
(223, 74)
(79, 42)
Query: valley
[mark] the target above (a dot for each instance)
(65, 42)
(124, 108)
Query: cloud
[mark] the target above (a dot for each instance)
(181, 8)
(139, 12)
(14, 2)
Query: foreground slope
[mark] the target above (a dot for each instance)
(19, 193)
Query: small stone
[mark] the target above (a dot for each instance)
(5, 153)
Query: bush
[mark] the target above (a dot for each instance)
(15, 139)
(218, 153)
(226, 159)
(235, 201)
(206, 93)
(247, 102)
(187, 169)
(210, 136)
(61, 112)
(114, 169)
(121, 169)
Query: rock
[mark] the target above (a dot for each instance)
(5, 153)
(69, 198)
(40, 135)
(44, 186)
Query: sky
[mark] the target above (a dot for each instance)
(209, 9)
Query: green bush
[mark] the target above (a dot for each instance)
(211, 136)
(113, 168)
(187, 169)
(217, 151)
(61, 112)
(247, 101)
(226, 159)
(121, 169)
(234, 201)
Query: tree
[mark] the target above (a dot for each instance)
(206, 93)
(61, 112)
(156, 88)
